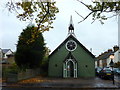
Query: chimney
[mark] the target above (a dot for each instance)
(115, 48)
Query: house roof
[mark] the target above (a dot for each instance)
(5, 50)
(105, 55)
(71, 36)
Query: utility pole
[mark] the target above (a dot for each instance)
(119, 34)
(119, 29)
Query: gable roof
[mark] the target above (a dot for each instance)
(6, 50)
(105, 55)
(71, 36)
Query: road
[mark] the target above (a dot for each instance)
(39, 83)
(18, 88)
(117, 80)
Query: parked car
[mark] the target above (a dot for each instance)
(115, 70)
(118, 71)
(106, 73)
(97, 70)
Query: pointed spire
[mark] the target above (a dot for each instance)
(71, 21)
(71, 26)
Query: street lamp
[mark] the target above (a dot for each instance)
(112, 65)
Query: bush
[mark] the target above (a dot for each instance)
(44, 66)
(13, 69)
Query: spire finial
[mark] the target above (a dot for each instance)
(71, 21)
(71, 26)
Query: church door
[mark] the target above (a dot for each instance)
(70, 68)
(70, 71)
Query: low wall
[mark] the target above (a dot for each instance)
(29, 73)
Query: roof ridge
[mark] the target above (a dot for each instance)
(76, 41)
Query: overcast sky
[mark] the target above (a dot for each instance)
(96, 36)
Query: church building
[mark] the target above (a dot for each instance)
(71, 59)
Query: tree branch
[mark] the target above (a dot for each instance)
(86, 17)
(11, 6)
(84, 4)
(100, 9)
(47, 12)
(79, 14)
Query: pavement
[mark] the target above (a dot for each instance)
(42, 82)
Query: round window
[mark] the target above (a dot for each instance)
(71, 45)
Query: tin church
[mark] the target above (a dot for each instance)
(71, 59)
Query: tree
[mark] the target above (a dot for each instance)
(100, 9)
(30, 52)
(44, 64)
(42, 13)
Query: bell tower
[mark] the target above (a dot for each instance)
(71, 27)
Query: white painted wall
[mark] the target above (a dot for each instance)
(8, 53)
(117, 56)
(100, 63)
(108, 62)
(96, 64)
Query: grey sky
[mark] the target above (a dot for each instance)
(96, 36)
